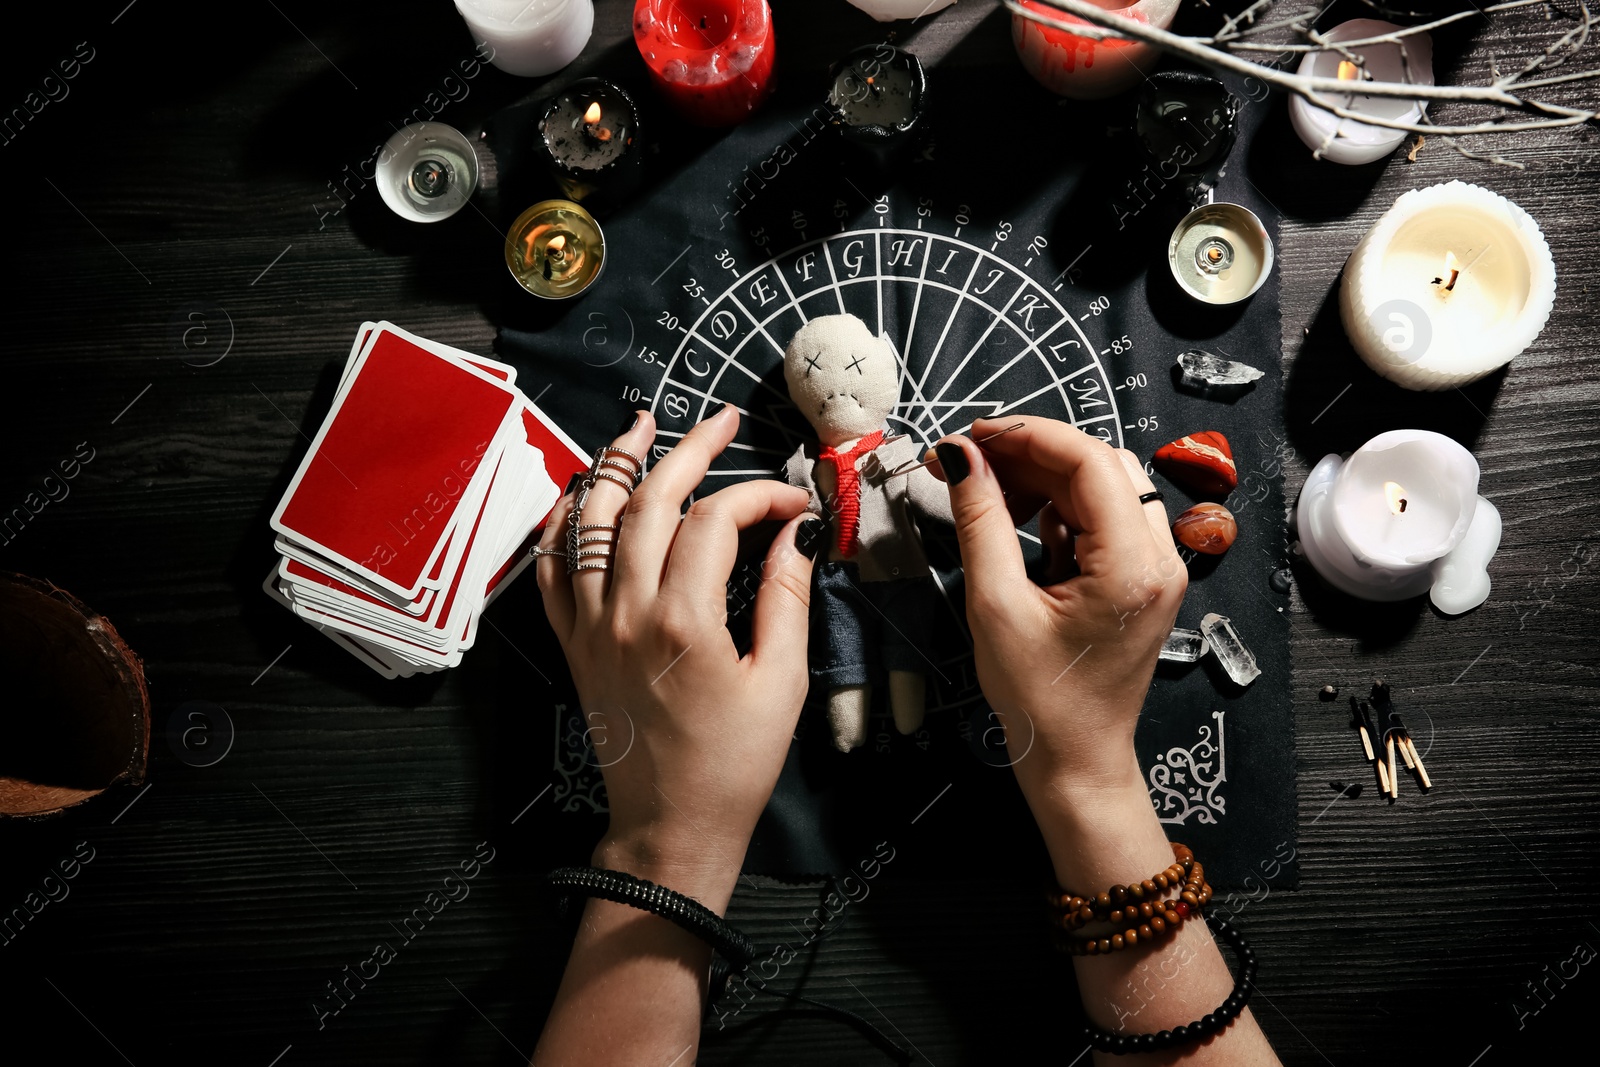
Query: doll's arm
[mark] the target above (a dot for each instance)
(797, 471)
(929, 496)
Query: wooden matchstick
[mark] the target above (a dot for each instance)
(1360, 720)
(1383, 777)
(1405, 752)
(1394, 779)
(1422, 772)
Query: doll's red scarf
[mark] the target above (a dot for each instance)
(849, 489)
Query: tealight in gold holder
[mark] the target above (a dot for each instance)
(555, 250)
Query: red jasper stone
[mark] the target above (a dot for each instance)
(1202, 462)
(1208, 528)
(1181, 908)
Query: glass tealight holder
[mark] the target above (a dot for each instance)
(427, 171)
(555, 250)
(1220, 253)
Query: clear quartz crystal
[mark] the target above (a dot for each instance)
(1202, 369)
(1184, 646)
(1236, 659)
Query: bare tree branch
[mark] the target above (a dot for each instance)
(1333, 95)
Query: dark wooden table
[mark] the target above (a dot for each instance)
(195, 165)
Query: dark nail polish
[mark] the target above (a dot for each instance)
(954, 462)
(810, 536)
(572, 483)
(633, 420)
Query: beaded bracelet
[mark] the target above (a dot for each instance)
(1215, 1022)
(1160, 919)
(622, 888)
(1078, 910)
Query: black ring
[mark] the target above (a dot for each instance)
(1151, 497)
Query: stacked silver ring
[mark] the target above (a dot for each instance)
(590, 545)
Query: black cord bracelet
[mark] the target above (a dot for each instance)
(1216, 1022)
(622, 888)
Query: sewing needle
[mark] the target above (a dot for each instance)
(904, 469)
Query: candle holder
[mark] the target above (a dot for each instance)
(1345, 140)
(710, 59)
(427, 171)
(529, 38)
(1220, 253)
(1084, 69)
(1401, 517)
(878, 101)
(1187, 123)
(588, 138)
(1449, 286)
(555, 250)
(77, 716)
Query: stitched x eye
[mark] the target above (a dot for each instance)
(811, 364)
(856, 366)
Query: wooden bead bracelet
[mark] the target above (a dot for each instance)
(1087, 909)
(1139, 904)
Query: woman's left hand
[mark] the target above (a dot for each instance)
(690, 736)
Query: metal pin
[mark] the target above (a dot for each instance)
(905, 469)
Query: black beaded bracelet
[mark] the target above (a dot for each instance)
(622, 888)
(1217, 1021)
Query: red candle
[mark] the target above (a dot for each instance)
(712, 59)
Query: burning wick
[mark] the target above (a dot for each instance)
(1453, 268)
(555, 249)
(591, 123)
(1397, 501)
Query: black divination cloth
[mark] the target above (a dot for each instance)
(1018, 265)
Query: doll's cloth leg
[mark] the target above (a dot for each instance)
(907, 608)
(844, 633)
(844, 626)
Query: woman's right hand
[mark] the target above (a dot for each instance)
(1066, 665)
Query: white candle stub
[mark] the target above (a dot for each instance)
(529, 38)
(1450, 285)
(1348, 141)
(1401, 516)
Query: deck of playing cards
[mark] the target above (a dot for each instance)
(418, 501)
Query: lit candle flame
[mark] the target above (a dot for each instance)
(1348, 71)
(591, 124)
(557, 244)
(1452, 272)
(1395, 492)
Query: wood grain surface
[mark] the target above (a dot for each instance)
(195, 164)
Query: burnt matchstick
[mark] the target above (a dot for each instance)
(1359, 721)
(1384, 756)
(1394, 778)
(907, 468)
(1408, 747)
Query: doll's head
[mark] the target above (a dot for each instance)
(842, 377)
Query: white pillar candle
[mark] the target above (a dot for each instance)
(1345, 140)
(1449, 285)
(1084, 69)
(889, 10)
(530, 38)
(1400, 517)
